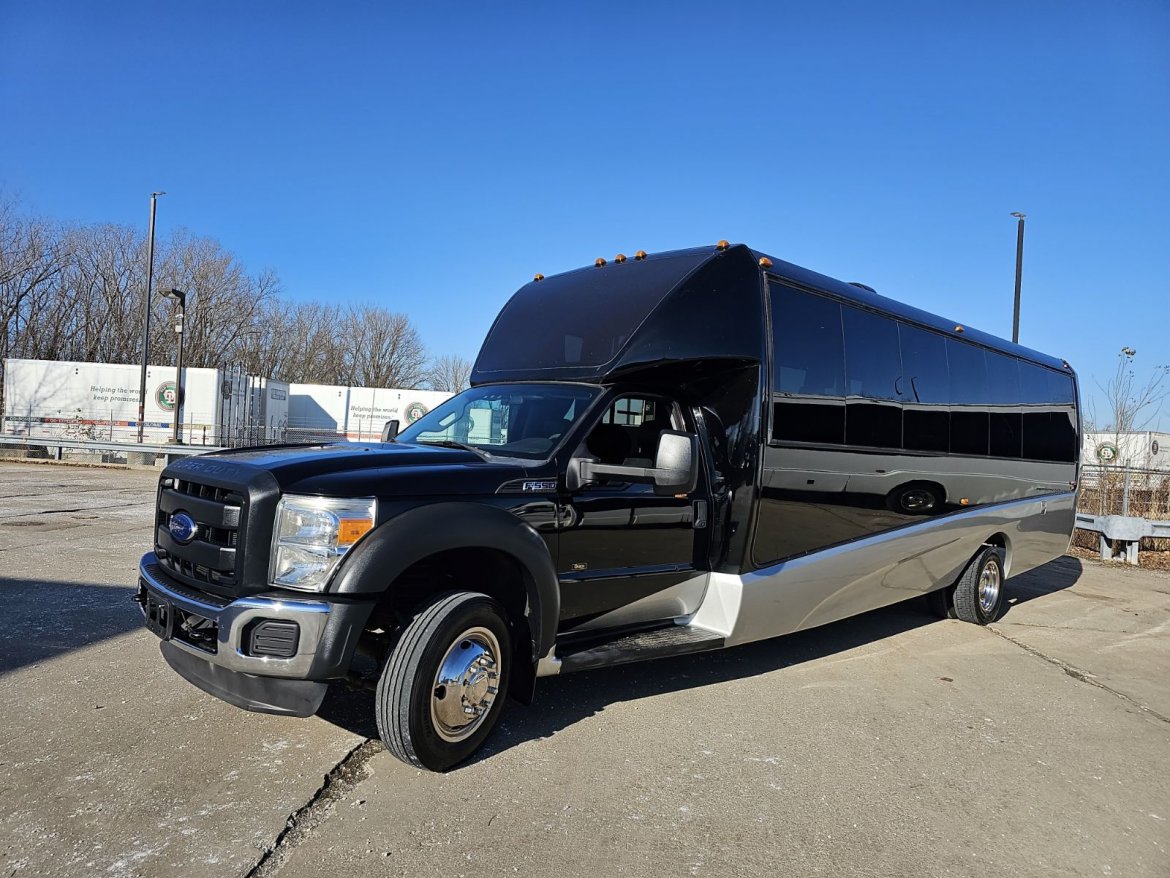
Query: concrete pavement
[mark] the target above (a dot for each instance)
(887, 744)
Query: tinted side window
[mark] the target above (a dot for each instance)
(969, 398)
(926, 418)
(809, 372)
(1049, 414)
(873, 371)
(1003, 374)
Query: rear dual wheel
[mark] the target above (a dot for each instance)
(443, 687)
(977, 597)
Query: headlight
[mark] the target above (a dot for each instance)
(311, 535)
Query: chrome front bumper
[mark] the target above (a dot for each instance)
(232, 620)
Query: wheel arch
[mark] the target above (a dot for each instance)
(1001, 540)
(380, 560)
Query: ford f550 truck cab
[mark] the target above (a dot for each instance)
(660, 455)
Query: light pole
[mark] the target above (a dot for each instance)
(1019, 273)
(146, 316)
(181, 300)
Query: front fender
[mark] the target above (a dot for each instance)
(418, 533)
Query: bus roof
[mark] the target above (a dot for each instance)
(593, 324)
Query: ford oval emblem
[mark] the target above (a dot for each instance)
(182, 527)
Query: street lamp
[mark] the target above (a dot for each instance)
(146, 316)
(1019, 273)
(181, 300)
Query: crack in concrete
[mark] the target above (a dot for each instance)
(1077, 674)
(342, 778)
(94, 509)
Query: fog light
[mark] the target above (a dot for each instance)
(273, 638)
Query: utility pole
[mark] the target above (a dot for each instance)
(1019, 273)
(146, 316)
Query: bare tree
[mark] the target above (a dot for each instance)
(224, 304)
(450, 373)
(301, 343)
(76, 293)
(30, 262)
(1133, 403)
(385, 350)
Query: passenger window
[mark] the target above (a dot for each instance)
(873, 369)
(969, 398)
(1003, 374)
(1049, 415)
(809, 379)
(926, 417)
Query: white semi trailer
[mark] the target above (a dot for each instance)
(49, 399)
(332, 411)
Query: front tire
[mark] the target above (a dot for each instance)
(979, 591)
(444, 685)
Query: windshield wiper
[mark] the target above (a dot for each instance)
(451, 443)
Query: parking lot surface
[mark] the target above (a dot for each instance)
(888, 744)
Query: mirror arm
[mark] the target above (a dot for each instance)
(590, 469)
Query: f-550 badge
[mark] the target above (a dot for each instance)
(542, 487)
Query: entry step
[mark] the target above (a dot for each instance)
(641, 646)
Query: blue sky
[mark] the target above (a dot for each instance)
(432, 157)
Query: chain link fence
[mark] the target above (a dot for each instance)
(1123, 490)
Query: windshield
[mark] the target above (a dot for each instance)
(515, 420)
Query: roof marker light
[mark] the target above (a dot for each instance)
(640, 255)
(621, 257)
(960, 330)
(537, 277)
(765, 262)
(722, 245)
(598, 262)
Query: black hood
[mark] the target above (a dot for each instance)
(349, 470)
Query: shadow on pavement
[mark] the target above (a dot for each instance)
(1044, 580)
(563, 701)
(44, 619)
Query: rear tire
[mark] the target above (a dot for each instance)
(979, 591)
(443, 687)
(941, 602)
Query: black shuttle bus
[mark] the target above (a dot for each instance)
(665, 454)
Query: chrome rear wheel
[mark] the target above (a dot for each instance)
(978, 595)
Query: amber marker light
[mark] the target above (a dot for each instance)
(960, 329)
(350, 530)
(538, 277)
(765, 262)
(722, 245)
(599, 262)
(621, 257)
(640, 255)
(965, 501)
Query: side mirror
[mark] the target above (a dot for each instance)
(676, 469)
(390, 431)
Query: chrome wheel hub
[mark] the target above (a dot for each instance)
(916, 501)
(466, 684)
(989, 587)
